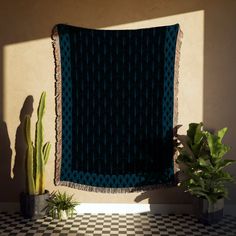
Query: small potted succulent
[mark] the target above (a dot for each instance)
(33, 201)
(61, 205)
(201, 156)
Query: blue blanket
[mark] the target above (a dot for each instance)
(115, 97)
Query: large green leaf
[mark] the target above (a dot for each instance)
(223, 163)
(192, 131)
(186, 143)
(198, 134)
(206, 165)
(221, 133)
(217, 149)
(196, 138)
(184, 157)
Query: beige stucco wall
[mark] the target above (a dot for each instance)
(206, 84)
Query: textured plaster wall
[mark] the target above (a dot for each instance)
(206, 83)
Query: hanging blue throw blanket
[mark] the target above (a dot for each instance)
(116, 107)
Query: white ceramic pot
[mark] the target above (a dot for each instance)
(63, 215)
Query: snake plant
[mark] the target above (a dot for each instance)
(202, 152)
(37, 153)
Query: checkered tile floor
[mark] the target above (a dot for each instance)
(115, 225)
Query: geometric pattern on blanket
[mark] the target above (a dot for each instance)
(116, 106)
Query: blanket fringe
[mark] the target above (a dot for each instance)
(58, 101)
(116, 190)
(176, 90)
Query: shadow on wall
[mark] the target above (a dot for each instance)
(5, 163)
(16, 184)
(159, 196)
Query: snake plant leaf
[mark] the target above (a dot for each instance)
(39, 183)
(29, 157)
(46, 152)
(37, 153)
(41, 107)
(27, 129)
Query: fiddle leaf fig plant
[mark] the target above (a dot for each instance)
(201, 152)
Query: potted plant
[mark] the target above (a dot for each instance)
(61, 205)
(33, 202)
(201, 156)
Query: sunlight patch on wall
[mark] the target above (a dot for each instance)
(191, 61)
(28, 69)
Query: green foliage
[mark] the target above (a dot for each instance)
(37, 154)
(202, 154)
(61, 202)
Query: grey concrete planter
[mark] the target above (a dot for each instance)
(33, 206)
(208, 213)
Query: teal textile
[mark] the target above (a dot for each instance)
(117, 106)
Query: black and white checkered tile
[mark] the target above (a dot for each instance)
(115, 225)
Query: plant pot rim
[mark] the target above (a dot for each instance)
(45, 193)
(203, 198)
